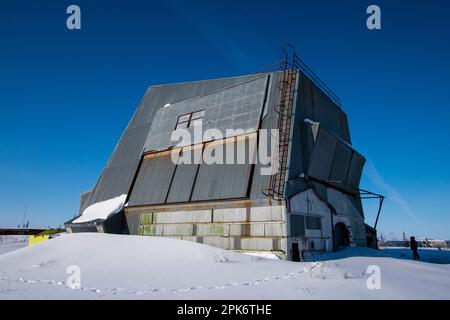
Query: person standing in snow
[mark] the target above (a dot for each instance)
(413, 245)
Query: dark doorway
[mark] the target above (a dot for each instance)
(295, 252)
(341, 237)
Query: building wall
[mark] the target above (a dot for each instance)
(307, 204)
(242, 229)
(349, 215)
(308, 222)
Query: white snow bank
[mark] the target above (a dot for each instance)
(135, 267)
(103, 209)
(265, 255)
(11, 243)
(426, 255)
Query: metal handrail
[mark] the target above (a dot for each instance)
(297, 63)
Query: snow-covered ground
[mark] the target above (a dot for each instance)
(11, 243)
(133, 267)
(432, 255)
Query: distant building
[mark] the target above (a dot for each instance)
(433, 243)
(397, 243)
(310, 202)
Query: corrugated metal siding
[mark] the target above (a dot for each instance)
(84, 200)
(153, 181)
(260, 182)
(305, 111)
(117, 176)
(332, 159)
(216, 181)
(315, 105)
(345, 130)
(223, 181)
(322, 156)
(341, 162)
(355, 169)
(236, 107)
(326, 112)
(183, 182)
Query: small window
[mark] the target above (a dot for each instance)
(190, 119)
(313, 223)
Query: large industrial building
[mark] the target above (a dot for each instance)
(304, 199)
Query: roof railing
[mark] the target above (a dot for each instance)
(302, 66)
(293, 61)
(291, 57)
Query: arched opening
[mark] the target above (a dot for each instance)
(341, 238)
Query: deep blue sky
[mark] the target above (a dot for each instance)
(67, 96)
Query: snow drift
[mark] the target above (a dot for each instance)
(134, 267)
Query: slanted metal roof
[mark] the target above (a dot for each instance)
(118, 175)
(225, 181)
(153, 181)
(333, 158)
(160, 181)
(335, 163)
(235, 107)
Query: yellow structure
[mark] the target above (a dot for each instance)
(43, 236)
(33, 240)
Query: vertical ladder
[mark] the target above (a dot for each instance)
(284, 109)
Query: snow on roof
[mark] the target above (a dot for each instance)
(102, 209)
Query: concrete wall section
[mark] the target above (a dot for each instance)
(246, 229)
